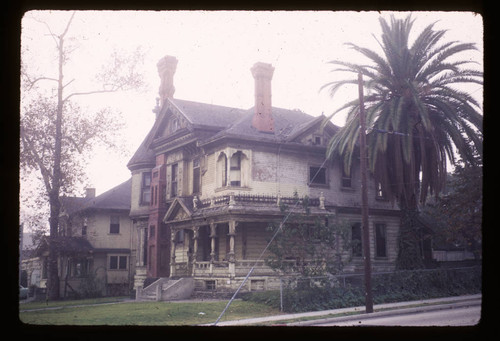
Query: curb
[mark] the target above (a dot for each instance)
(392, 308)
(392, 312)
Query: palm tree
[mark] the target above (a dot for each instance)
(416, 118)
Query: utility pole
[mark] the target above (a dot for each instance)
(364, 199)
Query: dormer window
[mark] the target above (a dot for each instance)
(317, 140)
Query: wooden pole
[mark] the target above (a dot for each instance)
(364, 199)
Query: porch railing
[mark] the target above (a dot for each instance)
(253, 198)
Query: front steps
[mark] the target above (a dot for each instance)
(166, 289)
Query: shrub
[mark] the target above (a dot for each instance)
(386, 288)
(90, 287)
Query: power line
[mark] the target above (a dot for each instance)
(267, 246)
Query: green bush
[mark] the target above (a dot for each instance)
(90, 287)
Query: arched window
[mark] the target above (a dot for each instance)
(235, 169)
(222, 170)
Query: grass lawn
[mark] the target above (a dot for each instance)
(143, 313)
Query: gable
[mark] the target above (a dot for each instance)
(177, 211)
(170, 124)
(314, 133)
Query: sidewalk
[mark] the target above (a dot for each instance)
(352, 310)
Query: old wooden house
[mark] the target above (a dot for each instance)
(95, 245)
(207, 180)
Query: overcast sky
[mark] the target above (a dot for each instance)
(215, 51)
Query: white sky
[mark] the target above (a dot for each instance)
(215, 51)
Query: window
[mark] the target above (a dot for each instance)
(146, 189)
(380, 240)
(317, 175)
(236, 169)
(114, 225)
(210, 285)
(346, 179)
(84, 227)
(173, 192)
(196, 176)
(80, 267)
(222, 170)
(152, 231)
(118, 262)
(179, 237)
(357, 250)
(380, 193)
(145, 246)
(317, 141)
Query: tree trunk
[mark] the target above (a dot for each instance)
(55, 206)
(409, 251)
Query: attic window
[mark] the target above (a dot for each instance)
(317, 140)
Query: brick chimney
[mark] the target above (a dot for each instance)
(263, 119)
(166, 70)
(89, 193)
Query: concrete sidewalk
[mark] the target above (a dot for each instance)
(353, 310)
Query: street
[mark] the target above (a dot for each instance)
(462, 316)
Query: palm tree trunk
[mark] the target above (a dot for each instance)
(409, 251)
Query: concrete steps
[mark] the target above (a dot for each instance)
(166, 289)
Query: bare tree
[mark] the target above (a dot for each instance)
(55, 133)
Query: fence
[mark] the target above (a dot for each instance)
(338, 291)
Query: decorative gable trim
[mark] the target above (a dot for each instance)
(177, 211)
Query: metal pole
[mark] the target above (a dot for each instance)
(364, 199)
(281, 294)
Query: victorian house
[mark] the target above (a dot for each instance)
(207, 180)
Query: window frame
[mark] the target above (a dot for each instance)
(117, 262)
(345, 179)
(315, 169)
(114, 226)
(376, 225)
(357, 247)
(145, 199)
(379, 192)
(174, 180)
(196, 176)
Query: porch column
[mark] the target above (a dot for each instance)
(231, 256)
(213, 235)
(195, 246)
(172, 252)
(140, 250)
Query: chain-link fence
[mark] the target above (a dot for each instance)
(347, 290)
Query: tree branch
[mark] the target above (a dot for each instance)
(32, 83)
(28, 147)
(87, 93)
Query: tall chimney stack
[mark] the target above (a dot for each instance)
(263, 119)
(166, 70)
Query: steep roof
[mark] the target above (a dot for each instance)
(210, 115)
(117, 198)
(286, 123)
(225, 122)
